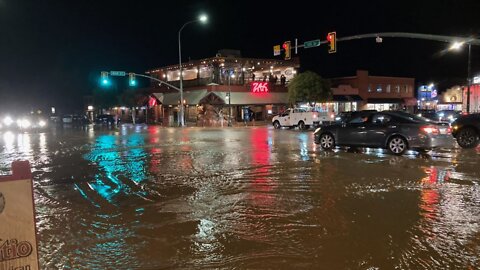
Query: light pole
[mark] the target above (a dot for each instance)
(203, 19)
(230, 100)
(457, 46)
(469, 79)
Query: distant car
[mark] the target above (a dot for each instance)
(448, 115)
(105, 119)
(24, 122)
(429, 114)
(466, 129)
(74, 119)
(395, 131)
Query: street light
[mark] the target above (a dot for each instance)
(203, 19)
(457, 46)
(230, 100)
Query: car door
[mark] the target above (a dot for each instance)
(378, 129)
(353, 132)
(285, 118)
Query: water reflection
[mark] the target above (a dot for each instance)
(120, 161)
(262, 183)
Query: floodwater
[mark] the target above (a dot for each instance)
(143, 197)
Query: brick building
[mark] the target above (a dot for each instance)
(378, 92)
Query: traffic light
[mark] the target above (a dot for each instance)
(332, 41)
(288, 49)
(104, 78)
(131, 79)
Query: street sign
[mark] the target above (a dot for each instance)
(476, 80)
(311, 43)
(276, 50)
(118, 73)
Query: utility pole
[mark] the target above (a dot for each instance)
(469, 79)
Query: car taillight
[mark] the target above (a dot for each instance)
(430, 130)
(449, 130)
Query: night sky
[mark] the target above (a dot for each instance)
(52, 51)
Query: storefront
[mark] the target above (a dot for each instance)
(211, 106)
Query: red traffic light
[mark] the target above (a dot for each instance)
(332, 41)
(285, 46)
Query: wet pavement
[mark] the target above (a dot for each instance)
(254, 197)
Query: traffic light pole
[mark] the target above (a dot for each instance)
(447, 39)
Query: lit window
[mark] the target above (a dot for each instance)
(379, 88)
(397, 88)
(369, 88)
(388, 88)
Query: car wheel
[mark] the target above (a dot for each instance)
(467, 138)
(277, 125)
(301, 125)
(397, 145)
(327, 141)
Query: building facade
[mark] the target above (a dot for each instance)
(221, 88)
(451, 99)
(380, 93)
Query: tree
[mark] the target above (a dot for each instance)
(309, 87)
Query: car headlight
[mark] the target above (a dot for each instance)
(8, 121)
(317, 130)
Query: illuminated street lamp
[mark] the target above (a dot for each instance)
(203, 19)
(457, 46)
(230, 100)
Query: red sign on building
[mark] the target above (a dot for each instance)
(259, 87)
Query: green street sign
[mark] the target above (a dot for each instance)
(118, 73)
(311, 43)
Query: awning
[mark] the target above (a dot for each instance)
(347, 98)
(190, 97)
(237, 98)
(385, 100)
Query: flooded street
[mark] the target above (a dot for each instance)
(155, 198)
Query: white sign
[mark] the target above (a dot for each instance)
(476, 80)
(18, 242)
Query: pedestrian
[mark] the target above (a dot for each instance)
(246, 115)
(220, 117)
(275, 79)
(264, 78)
(253, 76)
(283, 79)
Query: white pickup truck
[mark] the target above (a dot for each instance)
(300, 118)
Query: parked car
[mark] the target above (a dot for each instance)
(75, 119)
(105, 119)
(395, 131)
(466, 129)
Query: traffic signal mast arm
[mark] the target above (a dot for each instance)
(104, 75)
(447, 39)
(157, 80)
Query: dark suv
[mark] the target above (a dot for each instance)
(466, 129)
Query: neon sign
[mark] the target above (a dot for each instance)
(259, 87)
